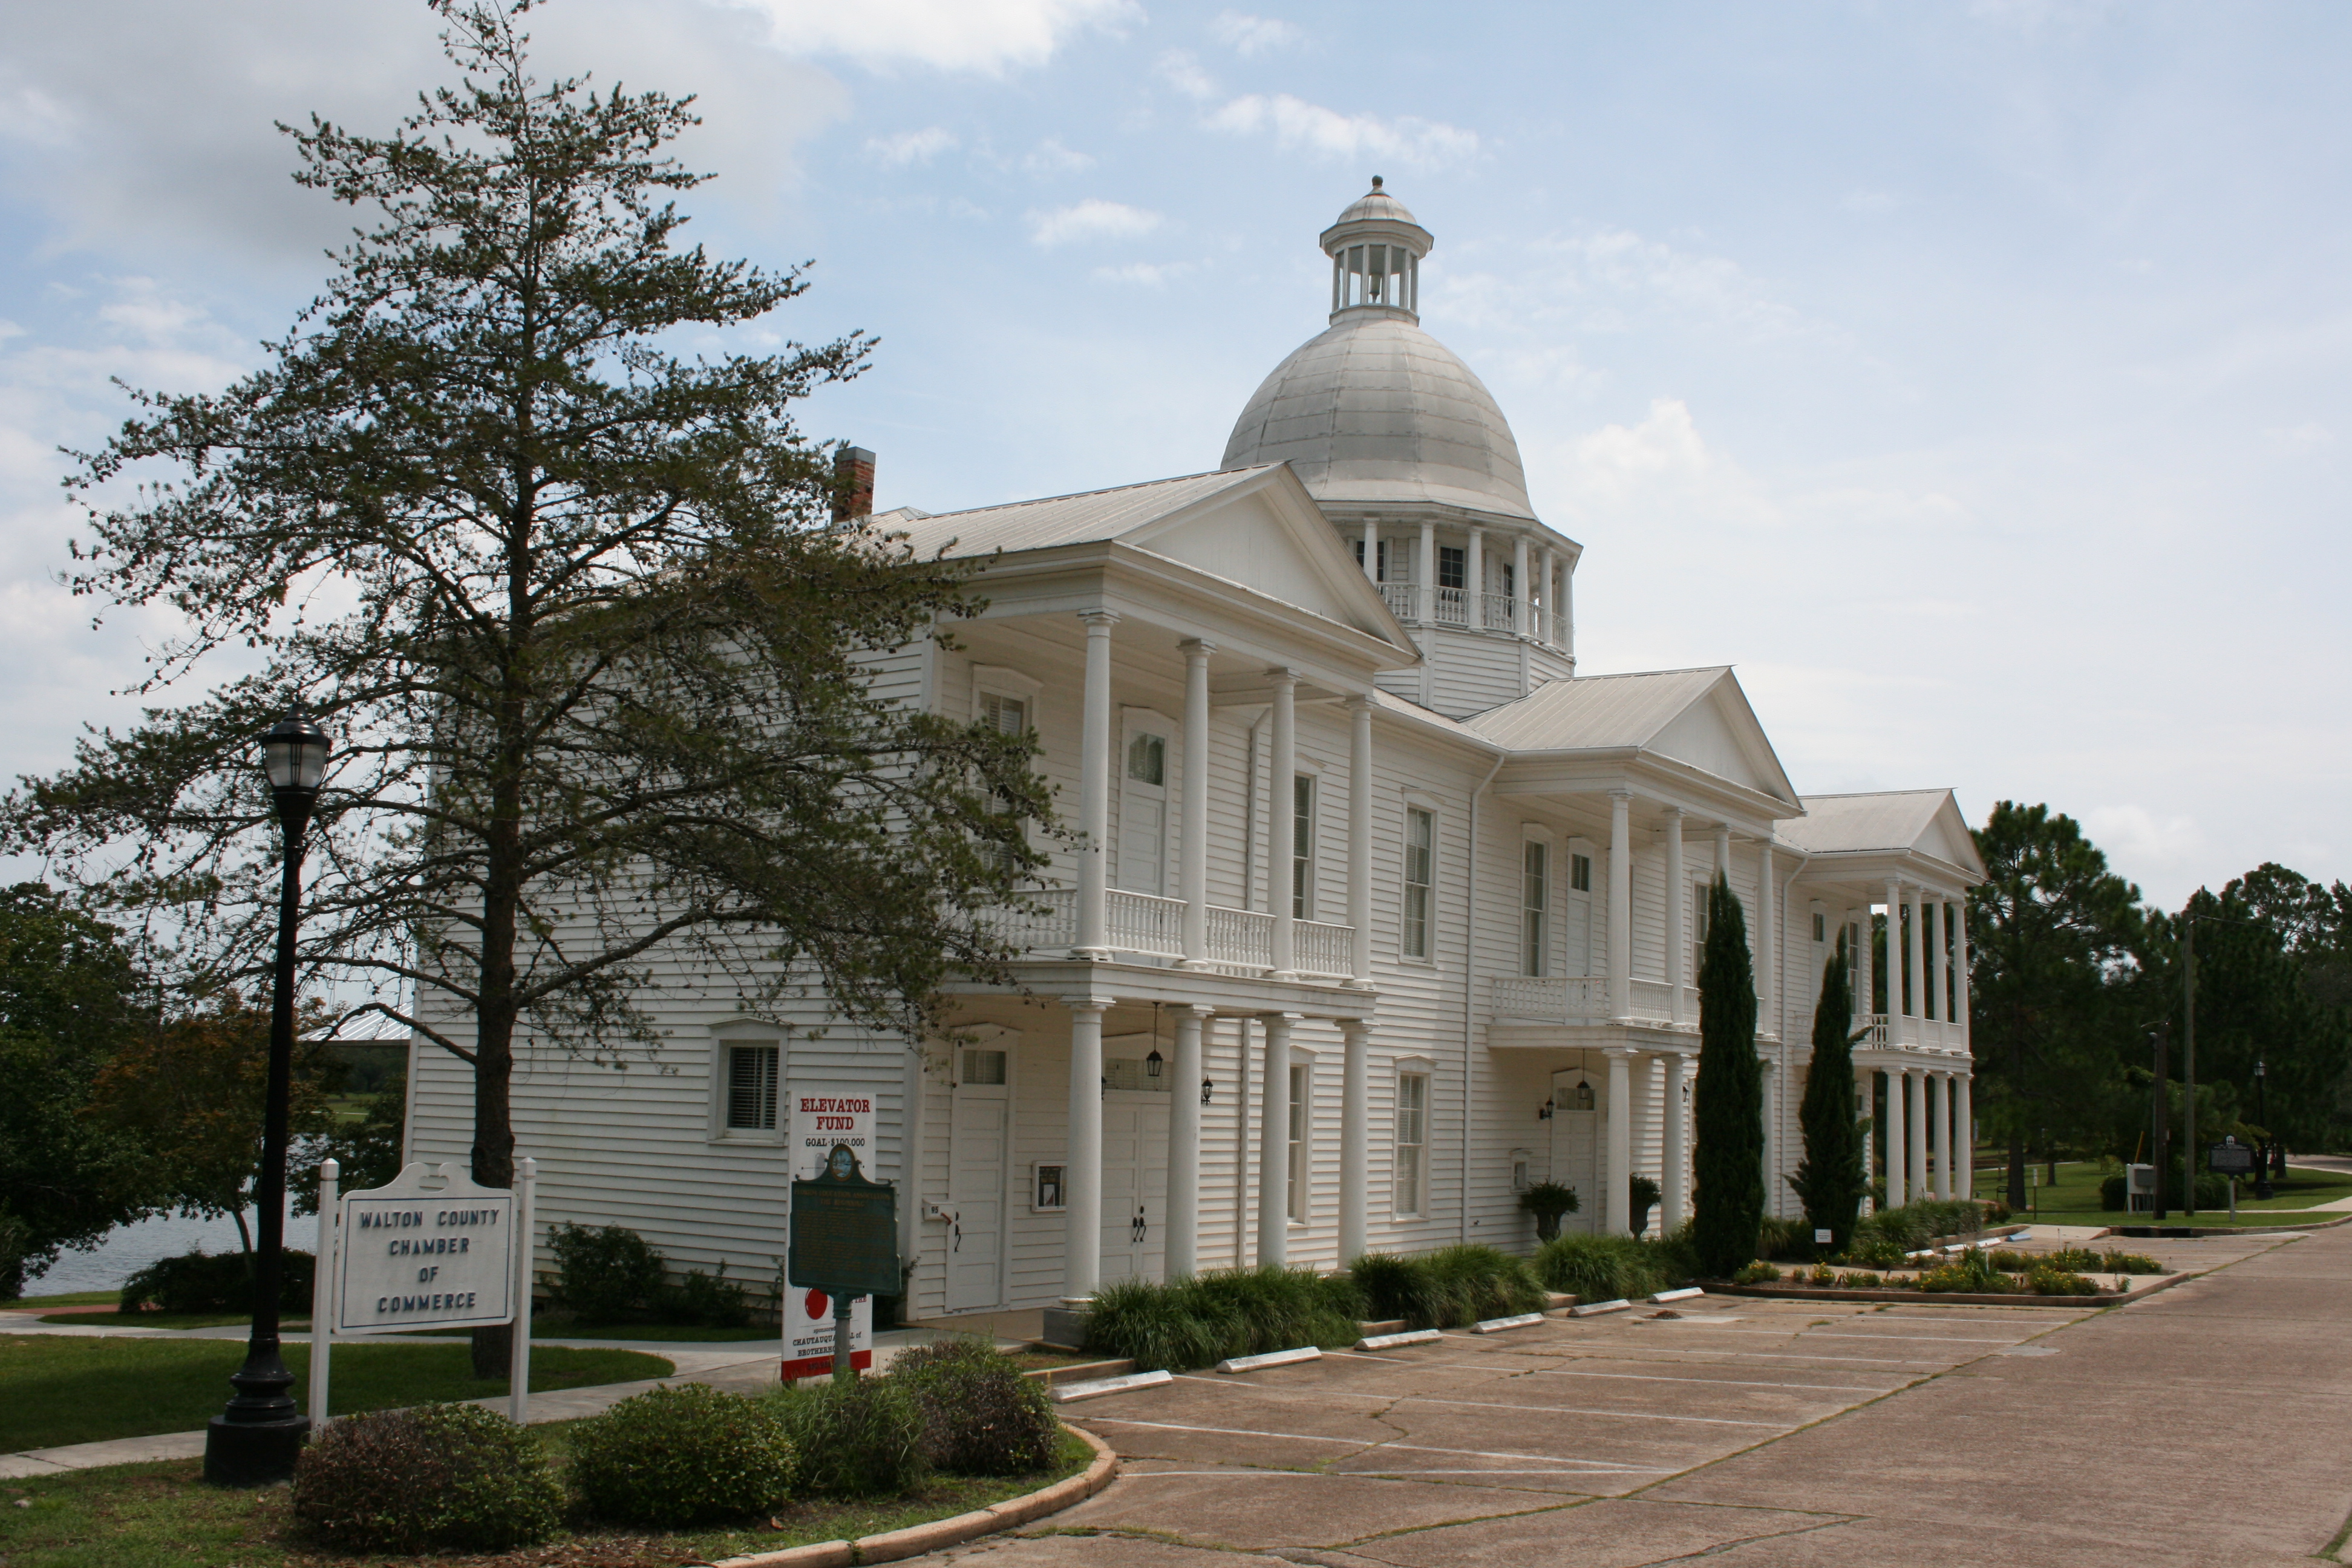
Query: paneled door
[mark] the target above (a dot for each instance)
(978, 1134)
(1576, 1145)
(1143, 813)
(1135, 1183)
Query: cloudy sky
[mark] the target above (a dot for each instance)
(1974, 376)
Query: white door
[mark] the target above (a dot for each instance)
(979, 1133)
(1576, 1147)
(1143, 813)
(1134, 1184)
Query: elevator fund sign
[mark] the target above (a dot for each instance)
(823, 1116)
(428, 1252)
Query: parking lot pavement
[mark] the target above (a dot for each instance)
(1764, 1433)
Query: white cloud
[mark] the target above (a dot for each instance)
(1296, 124)
(1612, 280)
(983, 36)
(1250, 35)
(2135, 837)
(1147, 274)
(1179, 70)
(1050, 157)
(1093, 218)
(910, 146)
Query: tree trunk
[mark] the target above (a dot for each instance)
(2016, 1133)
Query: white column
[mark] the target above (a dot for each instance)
(1082, 1182)
(1183, 1255)
(1094, 794)
(1917, 1113)
(1674, 1182)
(1355, 1137)
(1282, 791)
(1866, 1109)
(1919, 963)
(1360, 842)
(1964, 1138)
(1193, 870)
(1860, 921)
(1621, 904)
(1931, 919)
(1768, 945)
(1474, 578)
(1549, 628)
(1424, 574)
(1522, 591)
(1945, 1142)
(1616, 1200)
(1372, 549)
(1273, 1145)
(1568, 608)
(1723, 850)
(1899, 1165)
(1677, 928)
(1960, 979)
(1771, 1155)
(1654, 1115)
(1895, 1035)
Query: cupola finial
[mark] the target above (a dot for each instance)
(1376, 182)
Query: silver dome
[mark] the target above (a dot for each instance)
(1376, 410)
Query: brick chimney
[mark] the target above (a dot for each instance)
(853, 484)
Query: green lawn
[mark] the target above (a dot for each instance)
(163, 1516)
(73, 1299)
(57, 1389)
(556, 1328)
(2076, 1199)
(169, 1320)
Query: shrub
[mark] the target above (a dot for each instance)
(1548, 1201)
(1823, 1274)
(1791, 1239)
(981, 1416)
(1875, 1252)
(1480, 1282)
(214, 1282)
(2127, 1263)
(1199, 1319)
(711, 1299)
(1915, 1225)
(675, 1457)
(2113, 1195)
(607, 1274)
(1158, 1325)
(1972, 1273)
(1600, 1268)
(1757, 1274)
(1862, 1279)
(1396, 1287)
(1996, 1210)
(2046, 1280)
(1642, 1196)
(860, 1438)
(452, 1478)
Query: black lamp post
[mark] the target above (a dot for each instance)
(2263, 1188)
(255, 1440)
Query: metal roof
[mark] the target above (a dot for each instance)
(1833, 823)
(1595, 711)
(1086, 517)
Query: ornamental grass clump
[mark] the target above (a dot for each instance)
(981, 1416)
(855, 1439)
(1200, 1318)
(1481, 1282)
(1603, 1267)
(671, 1457)
(433, 1478)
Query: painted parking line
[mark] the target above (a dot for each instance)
(1919, 1339)
(1728, 1381)
(1591, 1466)
(1759, 1355)
(1395, 1399)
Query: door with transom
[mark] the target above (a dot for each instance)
(1577, 1108)
(980, 1130)
(1134, 1171)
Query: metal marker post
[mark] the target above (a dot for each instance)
(323, 1291)
(519, 1386)
(844, 1370)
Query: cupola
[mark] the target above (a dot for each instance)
(1376, 249)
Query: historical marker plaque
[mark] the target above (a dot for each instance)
(844, 1232)
(2232, 1158)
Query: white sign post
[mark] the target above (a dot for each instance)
(822, 1117)
(431, 1250)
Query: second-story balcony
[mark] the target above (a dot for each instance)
(1876, 1031)
(1584, 999)
(1143, 925)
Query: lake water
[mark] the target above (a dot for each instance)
(131, 1248)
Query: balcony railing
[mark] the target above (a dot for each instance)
(1142, 925)
(1404, 600)
(1501, 612)
(1584, 999)
(1870, 1029)
(1451, 606)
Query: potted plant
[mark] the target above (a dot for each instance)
(1548, 1201)
(1643, 1196)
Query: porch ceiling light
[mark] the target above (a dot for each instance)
(1151, 1064)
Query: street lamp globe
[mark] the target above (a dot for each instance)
(294, 755)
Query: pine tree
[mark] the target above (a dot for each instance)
(1728, 1108)
(1830, 1181)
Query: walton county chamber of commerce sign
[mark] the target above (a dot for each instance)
(421, 1254)
(823, 1117)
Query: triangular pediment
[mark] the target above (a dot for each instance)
(1719, 734)
(1272, 538)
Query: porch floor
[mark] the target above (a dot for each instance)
(1024, 1323)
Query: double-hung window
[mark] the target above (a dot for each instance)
(1420, 865)
(1006, 715)
(1453, 567)
(1580, 873)
(752, 1088)
(1302, 848)
(1535, 903)
(1412, 1143)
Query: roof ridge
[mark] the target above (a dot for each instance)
(1105, 491)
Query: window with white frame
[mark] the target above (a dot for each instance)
(1302, 848)
(1006, 702)
(1535, 905)
(752, 1072)
(1580, 873)
(1412, 1160)
(1302, 1079)
(1420, 876)
(1698, 897)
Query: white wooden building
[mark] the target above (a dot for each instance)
(1384, 912)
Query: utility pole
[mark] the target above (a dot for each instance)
(2159, 1039)
(2188, 1065)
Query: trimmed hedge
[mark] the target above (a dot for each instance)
(688, 1454)
(444, 1477)
(216, 1282)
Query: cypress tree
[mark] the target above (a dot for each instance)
(1728, 1108)
(1829, 1180)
